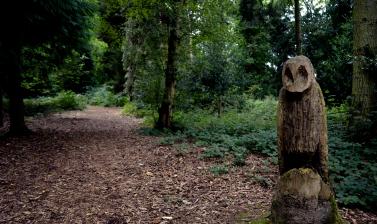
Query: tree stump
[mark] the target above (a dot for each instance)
(303, 192)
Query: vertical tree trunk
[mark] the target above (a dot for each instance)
(130, 79)
(298, 34)
(219, 106)
(190, 36)
(1, 108)
(12, 71)
(165, 111)
(2, 80)
(364, 85)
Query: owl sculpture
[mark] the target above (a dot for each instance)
(302, 126)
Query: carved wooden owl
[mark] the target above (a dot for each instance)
(302, 127)
(298, 74)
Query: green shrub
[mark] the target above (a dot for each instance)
(352, 164)
(66, 100)
(214, 151)
(103, 96)
(141, 111)
(129, 108)
(236, 133)
(219, 170)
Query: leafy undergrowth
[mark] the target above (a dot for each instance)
(253, 130)
(352, 164)
(66, 100)
(103, 96)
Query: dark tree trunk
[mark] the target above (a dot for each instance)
(2, 80)
(166, 109)
(298, 28)
(219, 106)
(12, 72)
(1, 108)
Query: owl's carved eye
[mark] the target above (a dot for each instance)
(288, 76)
(302, 74)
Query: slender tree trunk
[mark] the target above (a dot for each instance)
(191, 45)
(298, 34)
(364, 81)
(130, 79)
(219, 106)
(165, 111)
(12, 71)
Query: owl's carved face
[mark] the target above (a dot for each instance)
(298, 74)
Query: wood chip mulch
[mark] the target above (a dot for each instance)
(94, 166)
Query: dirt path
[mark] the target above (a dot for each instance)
(93, 166)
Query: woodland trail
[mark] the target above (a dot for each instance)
(94, 166)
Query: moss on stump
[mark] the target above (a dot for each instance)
(303, 197)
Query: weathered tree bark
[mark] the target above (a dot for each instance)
(364, 82)
(302, 126)
(166, 109)
(303, 191)
(302, 131)
(298, 34)
(130, 79)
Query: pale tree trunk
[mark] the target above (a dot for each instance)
(130, 79)
(364, 47)
(298, 35)
(166, 109)
(191, 46)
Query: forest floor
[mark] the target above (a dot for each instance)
(94, 166)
